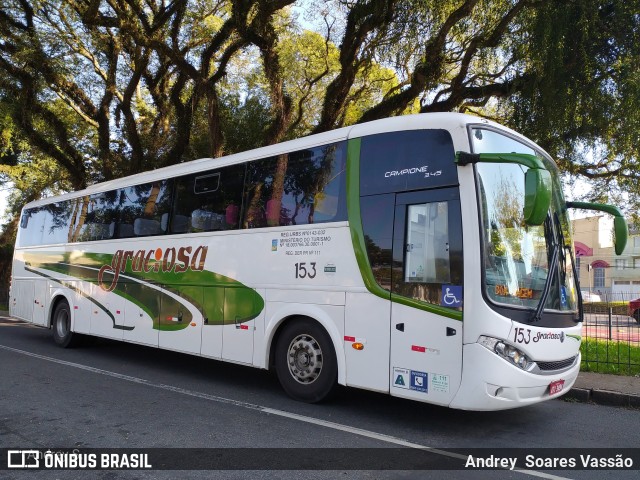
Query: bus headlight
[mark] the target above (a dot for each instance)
(510, 353)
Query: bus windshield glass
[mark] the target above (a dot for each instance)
(521, 261)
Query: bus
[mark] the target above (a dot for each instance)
(425, 256)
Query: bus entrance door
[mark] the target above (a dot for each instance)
(426, 335)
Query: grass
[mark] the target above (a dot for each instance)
(606, 356)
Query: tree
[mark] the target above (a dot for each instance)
(105, 88)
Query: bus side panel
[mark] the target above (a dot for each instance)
(81, 308)
(40, 301)
(367, 321)
(138, 322)
(237, 337)
(22, 299)
(104, 316)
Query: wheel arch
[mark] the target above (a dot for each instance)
(57, 297)
(289, 313)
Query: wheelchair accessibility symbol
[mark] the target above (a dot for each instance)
(451, 296)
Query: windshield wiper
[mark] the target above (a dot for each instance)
(553, 271)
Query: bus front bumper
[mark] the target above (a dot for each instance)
(491, 383)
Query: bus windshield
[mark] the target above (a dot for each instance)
(522, 261)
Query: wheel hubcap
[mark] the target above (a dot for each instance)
(304, 359)
(62, 324)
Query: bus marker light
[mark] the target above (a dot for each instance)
(244, 327)
(349, 339)
(358, 346)
(418, 348)
(193, 324)
(75, 307)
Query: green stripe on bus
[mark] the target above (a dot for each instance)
(224, 301)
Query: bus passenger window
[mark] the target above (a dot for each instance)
(208, 201)
(142, 209)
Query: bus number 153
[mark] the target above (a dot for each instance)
(302, 272)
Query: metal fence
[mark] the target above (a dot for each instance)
(611, 336)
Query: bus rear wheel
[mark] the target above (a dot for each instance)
(61, 323)
(306, 362)
(636, 315)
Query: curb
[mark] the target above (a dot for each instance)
(603, 397)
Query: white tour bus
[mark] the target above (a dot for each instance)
(426, 256)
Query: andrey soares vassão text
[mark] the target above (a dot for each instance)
(532, 461)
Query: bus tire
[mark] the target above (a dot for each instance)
(61, 323)
(306, 362)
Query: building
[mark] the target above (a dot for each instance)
(600, 270)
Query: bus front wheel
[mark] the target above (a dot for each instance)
(306, 362)
(61, 323)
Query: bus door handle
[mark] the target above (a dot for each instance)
(400, 326)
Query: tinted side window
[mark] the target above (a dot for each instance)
(377, 225)
(93, 217)
(208, 201)
(409, 160)
(144, 209)
(32, 226)
(303, 187)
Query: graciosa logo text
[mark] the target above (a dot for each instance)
(147, 261)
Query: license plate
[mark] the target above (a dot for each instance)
(556, 387)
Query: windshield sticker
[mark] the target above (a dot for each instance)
(503, 291)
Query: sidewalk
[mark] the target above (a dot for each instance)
(605, 389)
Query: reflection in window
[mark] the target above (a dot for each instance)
(299, 188)
(427, 266)
(144, 209)
(377, 224)
(94, 217)
(427, 248)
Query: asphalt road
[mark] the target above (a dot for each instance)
(115, 395)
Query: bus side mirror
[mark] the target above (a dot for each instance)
(620, 228)
(621, 232)
(537, 181)
(537, 195)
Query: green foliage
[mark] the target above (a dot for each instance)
(617, 308)
(91, 91)
(604, 356)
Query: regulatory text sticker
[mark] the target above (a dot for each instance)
(419, 381)
(439, 383)
(401, 377)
